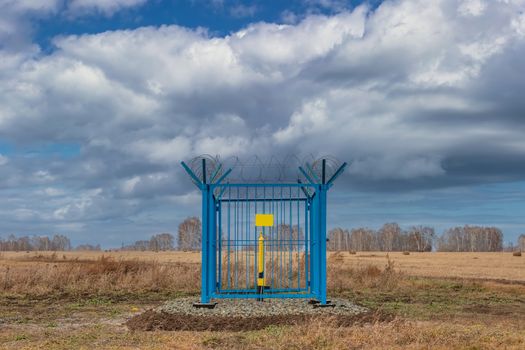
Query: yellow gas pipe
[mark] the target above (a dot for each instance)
(260, 264)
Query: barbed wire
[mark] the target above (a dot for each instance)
(271, 169)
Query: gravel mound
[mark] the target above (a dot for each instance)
(242, 315)
(254, 308)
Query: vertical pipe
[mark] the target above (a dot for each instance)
(236, 240)
(229, 239)
(281, 236)
(306, 244)
(255, 242)
(248, 234)
(272, 239)
(212, 243)
(314, 230)
(298, 244)
(260, 264)
(324, 171)
(290, 243)
(205, 238)
(204, 248)
(241, 241)
(219, 238)
(264, 228)
(322, 244)
(204, 170)
(245, 240)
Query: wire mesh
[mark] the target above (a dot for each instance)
(286, 244)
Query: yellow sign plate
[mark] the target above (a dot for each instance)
(264, 220)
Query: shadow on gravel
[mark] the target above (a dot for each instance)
(152, 320)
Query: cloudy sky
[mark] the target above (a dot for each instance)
(101, 99)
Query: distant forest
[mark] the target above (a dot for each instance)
(390, 237)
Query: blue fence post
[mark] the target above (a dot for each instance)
(314, 246)
(205, 299)
(322, 243)
(218, 273)
(212, 244)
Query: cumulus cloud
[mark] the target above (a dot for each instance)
(417, 93)
(107, 7)
(241, 10)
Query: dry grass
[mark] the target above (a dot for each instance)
(497, 266)
(341, 277)
(54, 274)
(74, 300)
(398, 334)
(50, 274)
(161, 256)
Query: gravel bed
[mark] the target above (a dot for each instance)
(248, 308)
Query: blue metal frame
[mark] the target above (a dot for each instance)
(314, 225)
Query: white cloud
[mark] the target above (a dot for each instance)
(472, 7)
(162, 151)
(241, 10)
(51, 192)
(413, 91)
(398, 168)
(518, 24)
(107, 7)
(23, 6)
(312, 119)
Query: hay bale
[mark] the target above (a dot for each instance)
(516, 254)
(406, 253)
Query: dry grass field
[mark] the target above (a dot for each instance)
(70, 300)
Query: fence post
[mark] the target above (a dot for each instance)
(314, 245)
(205, 298)
(212, 243)
(322, 243)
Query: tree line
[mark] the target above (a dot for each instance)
(40, 243)
(391, 237)
(159, 242)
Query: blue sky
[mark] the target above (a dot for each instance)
(100, 100)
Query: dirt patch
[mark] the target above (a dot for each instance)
(154, 320)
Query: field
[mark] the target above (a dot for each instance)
(70, 300)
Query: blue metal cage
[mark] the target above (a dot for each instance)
(294, 247)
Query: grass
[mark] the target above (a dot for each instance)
(104, 276)
(498, 266)
(48, 301)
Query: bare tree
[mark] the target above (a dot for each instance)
(389, 236)
(521, 243)
(363, 239)
(163, 241)
(471, 239)
(26, 243)
(189, 234)
(420, 238)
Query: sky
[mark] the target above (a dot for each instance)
(100, 100)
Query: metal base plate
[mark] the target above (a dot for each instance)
(317, 303)
(204, 305)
